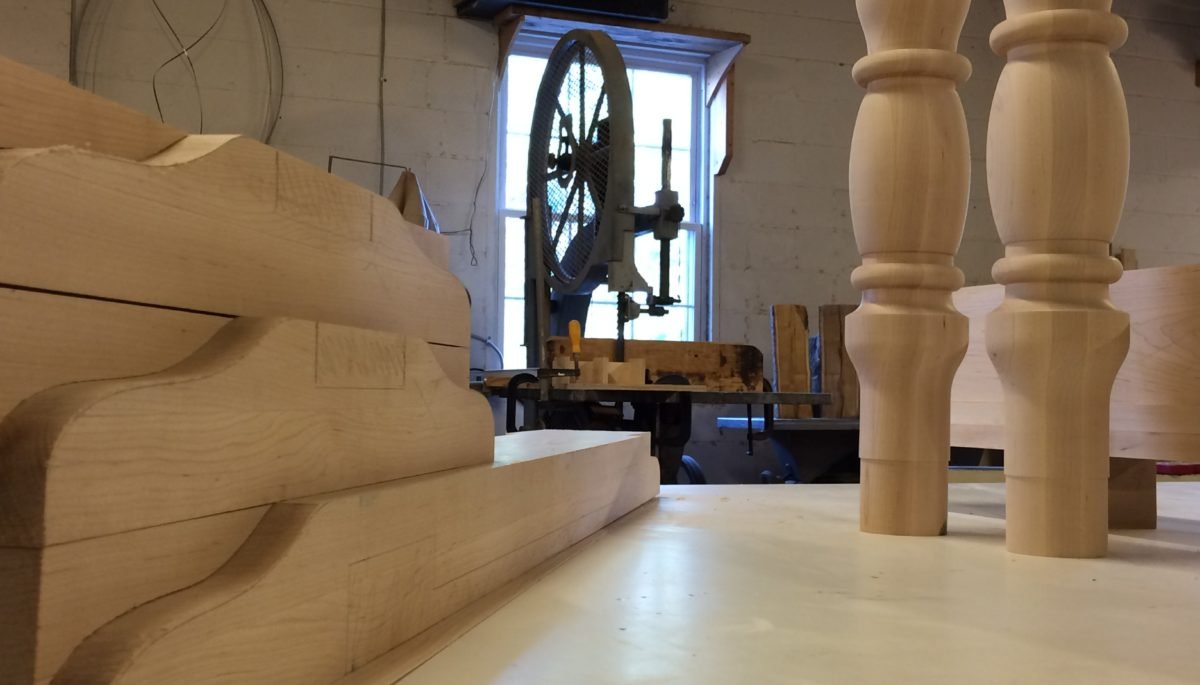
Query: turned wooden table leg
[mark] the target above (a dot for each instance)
(1132, 494)
(909, 185)
(1058, 163)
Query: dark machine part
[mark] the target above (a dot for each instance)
(581, 131)
(641, 10)
(663, 411)
(670, 426)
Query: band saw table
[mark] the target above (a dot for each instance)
(775, 584)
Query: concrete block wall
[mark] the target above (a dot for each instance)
(782, 227)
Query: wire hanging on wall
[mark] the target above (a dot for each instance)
(91, 16)
(185, 53)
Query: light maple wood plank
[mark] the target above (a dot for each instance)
(42, 344)
(385, 226)
(220, 225)
(1156, 396)
(326, 585)
(789, 329)
(39, 110)
(42, 347)
(716, 366)
(19, 569)
(261, 412)
(69, 590)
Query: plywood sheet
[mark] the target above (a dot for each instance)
(266, 410)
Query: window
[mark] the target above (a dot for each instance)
(662, 89)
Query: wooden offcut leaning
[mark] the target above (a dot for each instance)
(236, 442)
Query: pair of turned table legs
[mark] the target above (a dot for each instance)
(1057, 169)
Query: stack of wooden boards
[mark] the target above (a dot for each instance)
(237, 444)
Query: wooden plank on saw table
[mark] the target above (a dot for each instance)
(265, 410)
(327, 585)
(789, 329)
(1156, 395)
(838, 376)
(716, 366)
(222, 225)
(39, 110)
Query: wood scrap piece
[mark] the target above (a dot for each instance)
(717, 366)
(39, 110)
(67, 591)
(1132, 494)
(789, 329)
(200, 229)
(401, 555)
(837, 370)
(266, 410)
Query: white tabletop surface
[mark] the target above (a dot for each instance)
(775, 584)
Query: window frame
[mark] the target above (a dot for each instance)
(673, 60)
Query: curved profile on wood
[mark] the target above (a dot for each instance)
(266, 410)
(1156, 396)
(116, 492)
(221, 225)
(328, 585)
(39, 110)
(909, 182)
(1058, 163)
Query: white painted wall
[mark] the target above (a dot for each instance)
(783, 228)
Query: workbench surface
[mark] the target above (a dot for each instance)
(775, 584)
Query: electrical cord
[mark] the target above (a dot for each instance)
(490, 344)
(470, 229)
(382, 66)
(273, 56)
